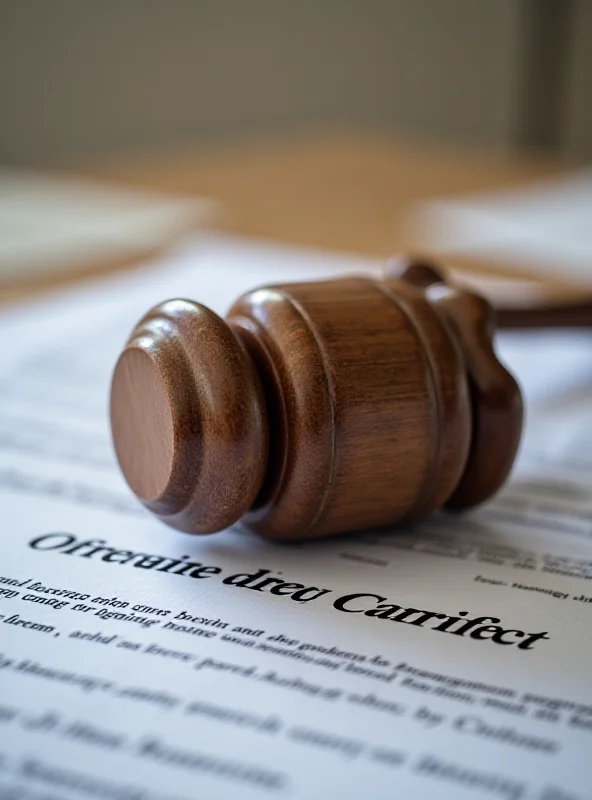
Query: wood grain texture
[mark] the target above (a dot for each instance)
(188, 418)
(316, 408)
(496, 399)
(370, 407)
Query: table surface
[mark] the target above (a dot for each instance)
(342, 192)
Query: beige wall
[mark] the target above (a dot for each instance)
(82, 78)
(577, 131)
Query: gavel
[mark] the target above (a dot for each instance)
(317, 408)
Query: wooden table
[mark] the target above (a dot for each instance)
(348, 193)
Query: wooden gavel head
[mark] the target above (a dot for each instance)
(316, 408)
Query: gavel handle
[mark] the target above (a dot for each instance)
(569, 315)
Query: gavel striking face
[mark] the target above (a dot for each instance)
(316, 408)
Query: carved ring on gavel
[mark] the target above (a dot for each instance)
(316, 408)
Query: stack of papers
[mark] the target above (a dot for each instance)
(546, 227)
(127, 674)
(54, 224)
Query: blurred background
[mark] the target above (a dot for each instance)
(82, 79)
(319, 122)
(208, 137)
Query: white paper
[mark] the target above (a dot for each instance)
(49, 222)
(546, 226)
(125, 682)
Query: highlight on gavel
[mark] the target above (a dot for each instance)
(318, 408)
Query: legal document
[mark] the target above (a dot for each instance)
(445, 660)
